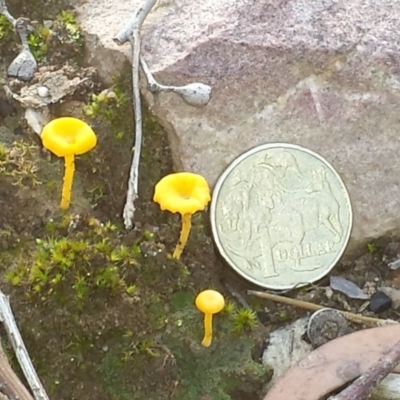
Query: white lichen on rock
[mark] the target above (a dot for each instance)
(49, 86)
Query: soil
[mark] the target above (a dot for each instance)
(142, 343)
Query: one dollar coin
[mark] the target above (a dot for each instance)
(281, 216)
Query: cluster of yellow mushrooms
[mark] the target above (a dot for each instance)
(183, 192)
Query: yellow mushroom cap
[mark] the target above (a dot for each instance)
(210, 301)
(182, 192)
(67, 136)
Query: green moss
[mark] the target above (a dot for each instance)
(244, 319)
(6, 29)
(106, 105)
(73, 31)
(78, 349)
(229, 308)
(216, 371)
(38, 42)
(372, 248)
(157, 315)
(113, 106)
(115, 382)
(87, 262)
(220, 371)
(182, 300)
(45, 42)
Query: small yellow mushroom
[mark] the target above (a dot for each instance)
(67, 137)
(209, 302)
(184, 193)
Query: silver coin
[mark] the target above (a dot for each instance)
(325, 325)
(281, 216)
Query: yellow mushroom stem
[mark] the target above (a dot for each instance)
(186, 225)
(68, 178)
(207, 330)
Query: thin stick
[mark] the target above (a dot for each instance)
(314, 307)
(7, 317)
(133, 183)
(195, 94)
(135, 23)
(365, 384)
(131, 32)
(152, 84)
(9, 381)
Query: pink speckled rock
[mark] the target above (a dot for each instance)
(324, 74)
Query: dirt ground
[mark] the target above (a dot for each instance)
(89, 335)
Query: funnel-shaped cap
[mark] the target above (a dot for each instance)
(66, 136)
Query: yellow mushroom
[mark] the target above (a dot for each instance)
(67, 137)
(209, 302)
(184, 193)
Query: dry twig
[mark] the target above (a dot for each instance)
(131, 33)
(10, 385)
(7, 318)
(364, 385)
(135, 23)
(314, 307)
(194, 94)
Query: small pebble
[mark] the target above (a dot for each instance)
(380, 302)
(328, 292)
(48, 23)
(394, 294)
(43, 91)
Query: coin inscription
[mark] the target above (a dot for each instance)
(281, 216)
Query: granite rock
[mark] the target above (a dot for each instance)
(323, 74)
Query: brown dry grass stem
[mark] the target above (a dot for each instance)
(305, 305)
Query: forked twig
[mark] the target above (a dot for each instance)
(131, 33)
(194, 94)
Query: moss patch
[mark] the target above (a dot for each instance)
(105, 313)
